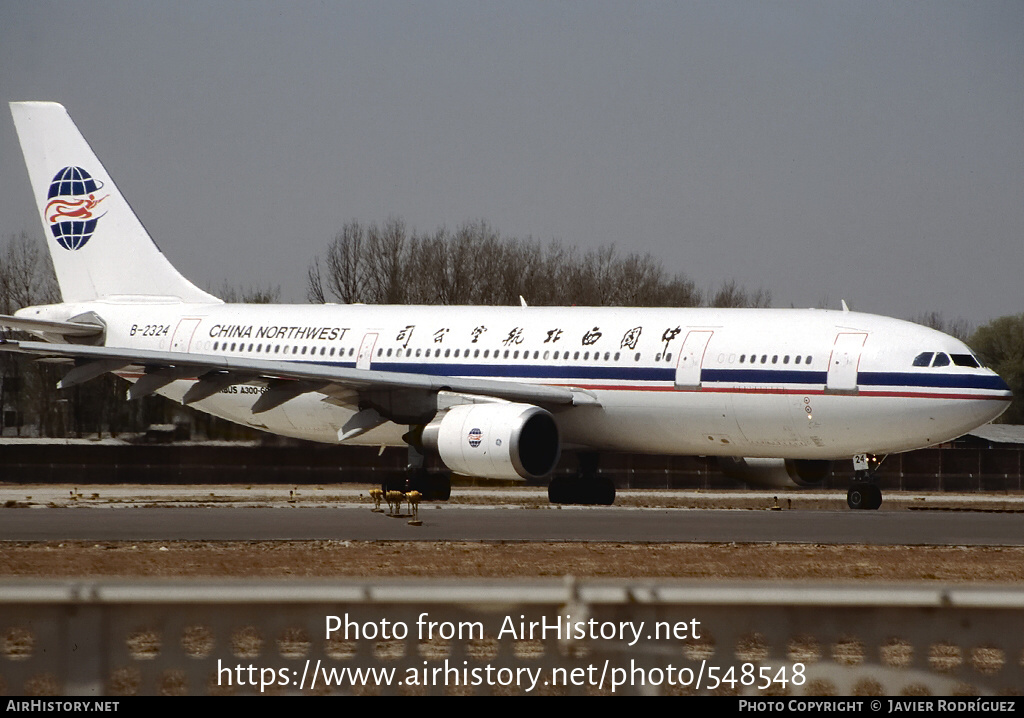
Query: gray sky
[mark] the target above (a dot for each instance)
(872, 151)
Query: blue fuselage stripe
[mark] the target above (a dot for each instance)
(752, 378)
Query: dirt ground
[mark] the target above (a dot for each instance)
(350, 559)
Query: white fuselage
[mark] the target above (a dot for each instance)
(785, 383)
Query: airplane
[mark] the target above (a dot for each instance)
(494, 392)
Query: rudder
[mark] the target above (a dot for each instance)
(99, 247)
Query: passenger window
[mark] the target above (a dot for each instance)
(923, 359)
(941, 360)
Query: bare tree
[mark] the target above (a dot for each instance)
(959, 327)
(26, 279)
(315, 284)
(387, 270)
(476, 265)
(249, 295)
(731, 294)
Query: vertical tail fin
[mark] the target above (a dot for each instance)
(99, 247)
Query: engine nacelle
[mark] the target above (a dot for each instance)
(776, 473)
(496, 441)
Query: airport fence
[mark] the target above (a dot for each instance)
(957, 468)
(106, 638)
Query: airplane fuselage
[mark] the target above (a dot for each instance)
(784, 383)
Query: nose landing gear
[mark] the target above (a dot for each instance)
(864, 492)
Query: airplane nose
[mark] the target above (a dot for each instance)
(999, 385)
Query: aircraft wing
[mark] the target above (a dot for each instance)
(284, 379)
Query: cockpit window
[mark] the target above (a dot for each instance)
(923, 359)
(965, 360)
(941, 360)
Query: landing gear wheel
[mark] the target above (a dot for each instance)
(864, 496)
(855, 497)
(876, 497)
(558, 490)
(602, 491)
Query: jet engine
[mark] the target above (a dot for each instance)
(776, 473)
(495, 441)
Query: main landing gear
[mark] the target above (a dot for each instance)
(432, 486)
(864, 492)
(584, 487)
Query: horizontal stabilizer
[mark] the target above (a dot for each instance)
(68, 329)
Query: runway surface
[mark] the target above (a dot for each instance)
(517, 524)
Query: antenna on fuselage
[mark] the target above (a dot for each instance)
(845, 308)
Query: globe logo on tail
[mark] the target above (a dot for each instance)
(70, 207)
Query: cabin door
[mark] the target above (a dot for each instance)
(183, 334)
(366, 351)
(844, 362)
(691, 356)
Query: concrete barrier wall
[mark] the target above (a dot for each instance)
(536, 637)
